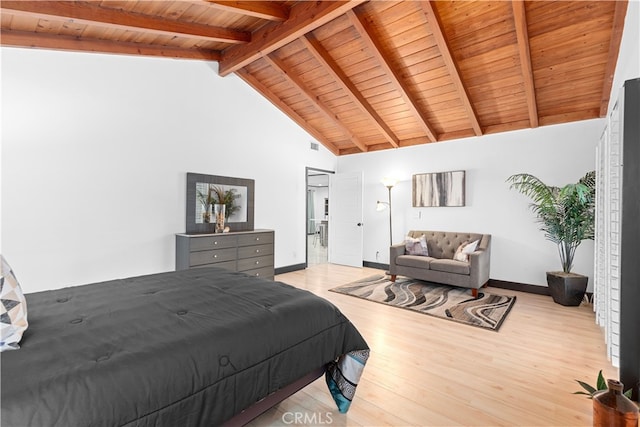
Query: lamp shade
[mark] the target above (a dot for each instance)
(389, 182)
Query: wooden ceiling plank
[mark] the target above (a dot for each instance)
(294, 80)
(520, 20)
(258, 9)
(556, 16)
(48, 41)
(332, 30)
(479, 26)
(94, 14)
(506, 126)
(275, 100)
(329, 66)
(366, 34)
(573, 116)
(614, 48)
(303, 18)
(435, 26)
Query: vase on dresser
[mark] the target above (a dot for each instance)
(206, 214)
(219, 211)
(611, 408)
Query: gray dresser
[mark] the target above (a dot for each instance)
(250, 252)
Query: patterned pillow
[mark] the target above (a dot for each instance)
(416, 246)
(13, 309)
(463, 251)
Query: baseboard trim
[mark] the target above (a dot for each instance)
(502, 284)
(522, 287)
(377, 265)
(290, 268)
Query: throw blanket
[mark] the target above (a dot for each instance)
(343, 377)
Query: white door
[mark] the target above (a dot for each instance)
(345, 218)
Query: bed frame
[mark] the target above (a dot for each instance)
(262, 406)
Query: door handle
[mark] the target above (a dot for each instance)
(359, 224)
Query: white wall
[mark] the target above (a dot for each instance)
(628, 66)
(556, 154)
(95, 151)
(1, 115)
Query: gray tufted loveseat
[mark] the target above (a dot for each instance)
(439, 266)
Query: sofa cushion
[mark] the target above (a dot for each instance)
(463, 251)
(450, 266)
(416, 261)
(415, 246)
(443, 244)
(13, 309)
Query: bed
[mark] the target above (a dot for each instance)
(188, 348)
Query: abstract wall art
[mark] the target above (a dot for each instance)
(438, 189)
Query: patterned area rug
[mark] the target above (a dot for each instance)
(447, 302)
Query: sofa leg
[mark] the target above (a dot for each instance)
(393, 277)
(474, 292)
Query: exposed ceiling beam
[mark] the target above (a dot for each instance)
(258, 9)
(321, 106)
(614, 48)
(94, 14)
(304, 16)
(330, 66)
(364, 30)
(522, 34)
(273, 98)
(47, 41)
(435, 26)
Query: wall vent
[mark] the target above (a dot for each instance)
(315, 146)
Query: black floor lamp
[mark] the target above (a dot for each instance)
(380, 206)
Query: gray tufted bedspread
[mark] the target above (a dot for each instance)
(186, 348)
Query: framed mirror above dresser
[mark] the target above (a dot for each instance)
(201, 184)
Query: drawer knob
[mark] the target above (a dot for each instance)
(257, 262)
(215, 256)
(215, 243)
(257, 238)
(257, 274)
(257, 251)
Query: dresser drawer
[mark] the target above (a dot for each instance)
(213, 242)
(254, 251)
(226, 250)
(210, 257)
(265, 272)
(228, 265)
(255, 239)
(253, 263)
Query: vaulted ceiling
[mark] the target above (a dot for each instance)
(366, 75)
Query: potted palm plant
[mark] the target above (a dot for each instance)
(219, 203)
(567, 217)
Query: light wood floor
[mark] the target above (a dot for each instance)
(425, 371)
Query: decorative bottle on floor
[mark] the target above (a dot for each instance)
(611, 408)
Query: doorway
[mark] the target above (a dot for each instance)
(317, 216)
